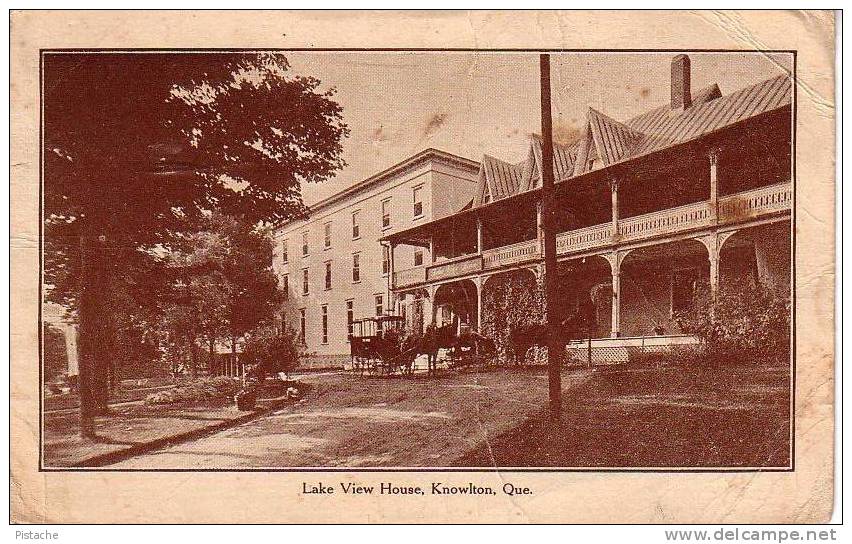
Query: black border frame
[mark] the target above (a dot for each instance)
(662, 470)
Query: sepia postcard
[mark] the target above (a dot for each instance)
(422, 267)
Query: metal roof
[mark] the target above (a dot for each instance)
(612, 141)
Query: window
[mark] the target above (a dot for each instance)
(304, 281)
(385, 260)
(380, 310)
(418, 202)
(304, 243)
(327, 235)
(486, 198)
(386, 214)
(302, 325)
(285, 286)
(350, 319)
(418, 257)
(328, 275)
(284, 257)
(684, 282)
(325, 324)
(356, 226)
(356, 267)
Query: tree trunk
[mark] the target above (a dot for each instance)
(233, 352)
(92, 335)
(211, 361)
(193, 358)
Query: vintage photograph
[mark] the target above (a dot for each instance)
(422, 259)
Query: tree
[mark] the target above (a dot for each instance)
(225, 287)
(55, 355)
(138, 148)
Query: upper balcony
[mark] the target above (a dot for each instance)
(732, 209)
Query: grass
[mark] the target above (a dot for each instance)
(657, 417)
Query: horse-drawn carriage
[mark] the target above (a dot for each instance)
(380, 346)
(377, 346)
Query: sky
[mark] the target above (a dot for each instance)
(399, 103)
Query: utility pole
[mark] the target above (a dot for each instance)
(548, 190)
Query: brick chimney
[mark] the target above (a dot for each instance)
(681, 92)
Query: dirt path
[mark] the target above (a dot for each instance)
(358, 422)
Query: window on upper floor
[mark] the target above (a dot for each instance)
(327, 235)
(418, 257)
(386, 218)
(356, 267)
(305, 244)
(328, 275)
(284, 256)
(356, 225)
(305, 284)
(285, 286)
(418, 202)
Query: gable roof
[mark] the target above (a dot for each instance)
(498, 179)
(612, 141)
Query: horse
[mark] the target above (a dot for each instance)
(435, 338)
(470, 346)
(576, 326)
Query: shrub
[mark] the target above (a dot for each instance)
(746, 322)
(271, 350)
(510, 300)
(205, 389)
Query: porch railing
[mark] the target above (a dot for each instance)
(585, 238)
(512, 254)
(457, 267)
(760, 201)
(412, 276)
(731, 209)
(665, 221)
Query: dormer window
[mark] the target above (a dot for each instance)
(591, 165)
(486, 198)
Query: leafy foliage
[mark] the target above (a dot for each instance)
(747, 322)
(139, 149)
(509, 300)
(272, 350)
(207, 389)
(55, 357)
(224, 286)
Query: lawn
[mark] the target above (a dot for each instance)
(657, 417)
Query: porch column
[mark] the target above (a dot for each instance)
(714, 181)
(714, 274)
(391, 247)
(539, 223)
(615, 264)
(478, 281)
(432, 306)
(478, 235)
(614, 189)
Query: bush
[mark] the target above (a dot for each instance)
(271, 350)
(510, 300)
(206, 389)
(747, 322)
